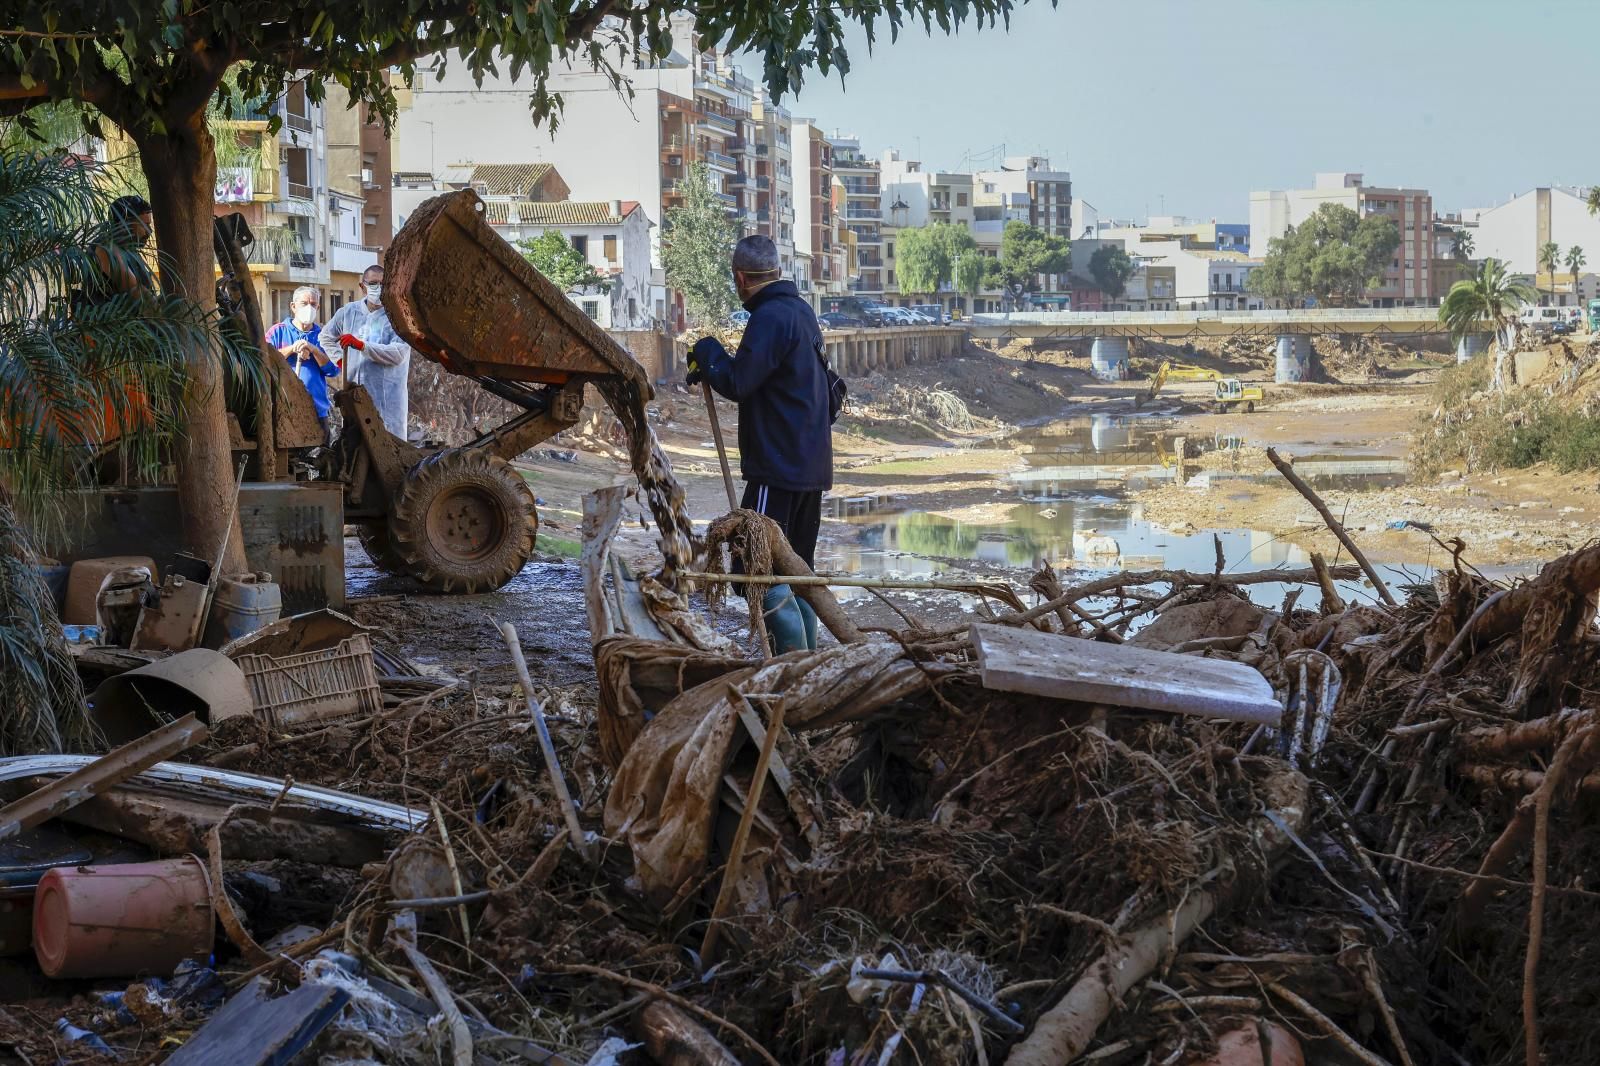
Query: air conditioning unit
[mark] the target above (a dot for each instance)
(674, 160)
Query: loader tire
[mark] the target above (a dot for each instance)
(379, 546)
(464, 522)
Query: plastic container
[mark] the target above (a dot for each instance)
(123, 921)
(242, 604)
(292, 691)
(85, 579)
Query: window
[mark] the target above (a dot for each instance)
(611, 248)
(988, 186)
(297, 162)
(889, 250)
(961, 199)
(581, 244)
(591, 308)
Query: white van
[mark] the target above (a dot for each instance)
(1541, 319)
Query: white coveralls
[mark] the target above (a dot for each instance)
(382, 367)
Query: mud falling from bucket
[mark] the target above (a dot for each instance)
(662, 493)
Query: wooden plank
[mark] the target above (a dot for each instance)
(1015, 659)
(253, 1030)
(602, 513)
(89, 781)
(758, 733)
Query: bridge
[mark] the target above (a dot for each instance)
(1184, 325)
(1110, 330)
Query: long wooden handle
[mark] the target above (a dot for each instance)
(722, 449)
(557, 781)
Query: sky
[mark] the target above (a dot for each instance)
(1184, 106)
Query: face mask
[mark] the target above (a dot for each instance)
(304, 315)
(375, 291)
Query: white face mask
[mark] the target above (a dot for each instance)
(374, 292)
(304, 315)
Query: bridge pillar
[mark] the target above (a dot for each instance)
(1471, 346)
(1108, 358)
(1294, 358)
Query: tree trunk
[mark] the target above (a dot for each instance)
(181, 167)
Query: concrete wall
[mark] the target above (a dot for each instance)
(858, 352)
(661, 355)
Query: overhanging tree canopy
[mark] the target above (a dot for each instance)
(927, 257)
(151, 68)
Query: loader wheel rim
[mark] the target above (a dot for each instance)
(467, 523)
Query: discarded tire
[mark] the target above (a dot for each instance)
(464, 522)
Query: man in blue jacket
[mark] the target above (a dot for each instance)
(778, 379)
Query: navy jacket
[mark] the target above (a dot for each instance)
(785, 435)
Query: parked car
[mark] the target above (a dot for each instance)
(739, 317)
(900, 316)
(1563, 326)
(934, 312)
(840, 320)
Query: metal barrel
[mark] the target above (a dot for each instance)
(1294, 358)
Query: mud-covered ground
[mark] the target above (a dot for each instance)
(933, 482)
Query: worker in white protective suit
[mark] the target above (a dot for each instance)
(360, 337)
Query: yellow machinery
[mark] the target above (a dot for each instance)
(1230, 392)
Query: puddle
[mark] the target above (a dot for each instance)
(1082, 538)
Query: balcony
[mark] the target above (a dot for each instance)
(299, 190)
(762, 149)
(673, 144)
(728, 199)
(297, 121)
(869, 261)
(302, 260)
(712, 120)
(763, 182)
(736, 181)
(351, 258)
(862, 211)
(722, 161)
(866, 285)
(763, 215)
(847, 162)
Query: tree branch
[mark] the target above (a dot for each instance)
(582, 28)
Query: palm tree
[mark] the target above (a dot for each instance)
(74, 376)
(1593, 200)
(1549, 260)
(1483, 303)
(1575, 262)
(1461, 244)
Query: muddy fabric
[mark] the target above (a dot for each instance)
(664, 798)
(640, 677)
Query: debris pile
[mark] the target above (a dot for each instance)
(1144, 819)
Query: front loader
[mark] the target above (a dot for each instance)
(456, 519)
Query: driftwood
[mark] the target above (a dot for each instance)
(1505, 742)
(1334, 525)
(674, 1039)
(1577, 756)
(1332, 602)
(1063, 1032)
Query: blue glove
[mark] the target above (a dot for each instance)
(706, 350)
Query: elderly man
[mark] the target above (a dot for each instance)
(786, 411)
(374, 356)
(296, 340)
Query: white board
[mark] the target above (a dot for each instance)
(1056, 666)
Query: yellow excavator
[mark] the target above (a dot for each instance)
(1230, 392)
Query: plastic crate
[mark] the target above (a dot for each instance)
(295, 690)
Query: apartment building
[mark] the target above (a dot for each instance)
(1409, 280)
(861, 208)
(771, 157)
(614, 236)
(692, 106)
(280, 185)
(1027, 189)
(1514, 231)
(914, 197)
(817, 224)
(353, 176)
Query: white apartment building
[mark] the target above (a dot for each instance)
(691, 107)
(1514, 231)
(1409, 279)
(1027, 189)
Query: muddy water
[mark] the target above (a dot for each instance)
(1068, 507)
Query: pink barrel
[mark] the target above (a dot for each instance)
(124, 920)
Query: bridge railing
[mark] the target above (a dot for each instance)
(1324, 316)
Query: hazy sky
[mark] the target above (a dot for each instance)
(1193, 103)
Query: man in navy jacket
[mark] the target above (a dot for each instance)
(785, 433)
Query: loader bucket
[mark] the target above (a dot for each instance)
(463, 297)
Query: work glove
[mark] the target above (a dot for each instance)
(350, 340)
(706, 350)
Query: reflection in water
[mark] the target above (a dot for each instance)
(1082, 537)
(1076, 454)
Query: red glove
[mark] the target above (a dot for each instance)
(350, 340)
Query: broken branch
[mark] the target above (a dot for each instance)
(1334, 526)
